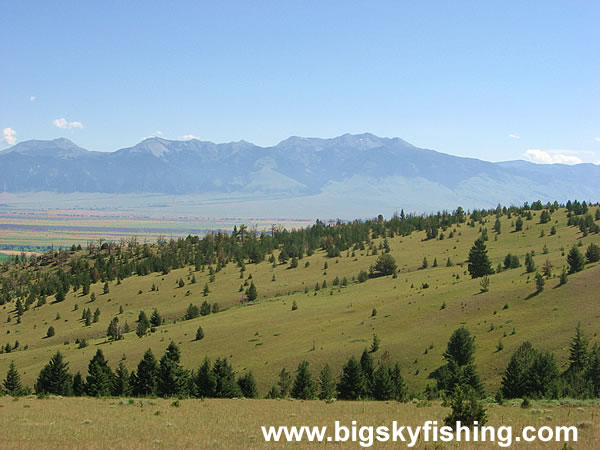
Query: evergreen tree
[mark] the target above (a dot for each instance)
(247, 385)
(205, 380)
(199, 334)
(479, 263)
(543, 377)
(385, 264)
(12, 382)
(515, 379)
(400, 389)
(578, 351)
(79, 387)
(99, 379)
(304, 386)
(121, 386)
(383, 384)
(55, 378)
(592, 253)
(205, 308)
(114, 331)
(575, 260)
(252, 293)
(155, 318)
(519, 224)
(466, 409)
(227, 386)
(539, 283)
(352, 385)
(106, 288)
(285, 382)
(145, 380)
(376, 341)
(192, 312)
(529, 263)
(173, 379)
(326, 383)
(367, 366)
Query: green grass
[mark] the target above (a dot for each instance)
(337, 322)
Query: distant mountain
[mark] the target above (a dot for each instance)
(363, 168)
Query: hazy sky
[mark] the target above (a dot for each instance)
(494, 80)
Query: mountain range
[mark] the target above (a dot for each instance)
(363, 168)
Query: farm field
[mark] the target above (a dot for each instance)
(40, 229)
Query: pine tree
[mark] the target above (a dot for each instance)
(326, 383)
(592, 253)
(519, 224)
(515, 378)
(205, 308)
(227, 386)
(543, 377)
(114, 331)
(252, 293)
(351, 385)
(145, 380)
(285, 382)
(466, 409)
(479, 263)
(155, 318)
(376, 341)
(400, 389)
(172, 377)
(121, 386)
(578, 351)
(79, 387)
(247, 385)
(529, 263)
(539, 283)
(206, 290)
(55, 378)
(383, 385)
(367, 366)
(304, 386)
(106, 288)
(99, 379)
(12, 382)
(575, 260)
(205, 380)
(199, 334)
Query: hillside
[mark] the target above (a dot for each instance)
(374, 172)
(415, 312)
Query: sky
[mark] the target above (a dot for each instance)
(490, 80)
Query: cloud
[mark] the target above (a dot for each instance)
(597, 139)
(514, 136)
(10, 136)
(32, 98)
(64, 123)
(190, 136)
(553, 156)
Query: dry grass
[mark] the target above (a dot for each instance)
(115, 423)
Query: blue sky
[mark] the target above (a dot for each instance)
(492, 80)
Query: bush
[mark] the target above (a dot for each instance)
(466, 408)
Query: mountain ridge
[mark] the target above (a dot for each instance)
(372, 168)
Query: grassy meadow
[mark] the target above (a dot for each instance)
(235, 423)
(413, 322)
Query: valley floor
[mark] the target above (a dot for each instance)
(164, 423)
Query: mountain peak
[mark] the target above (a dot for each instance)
(60, 147)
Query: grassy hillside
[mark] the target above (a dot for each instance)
(334, 322)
